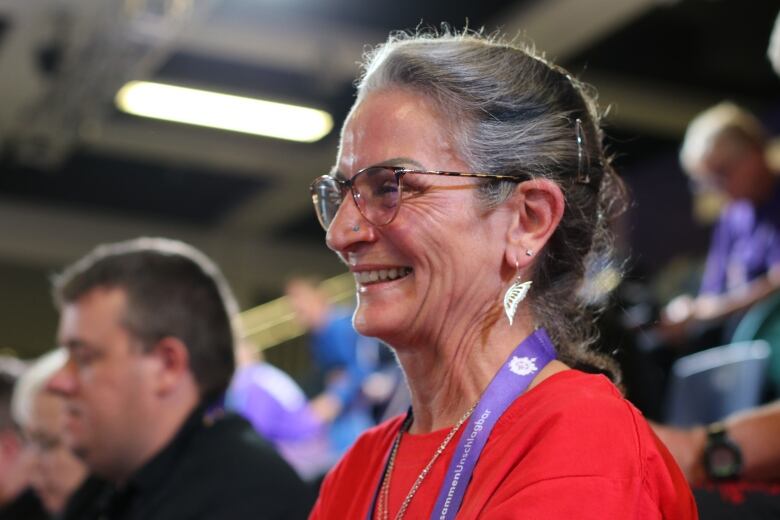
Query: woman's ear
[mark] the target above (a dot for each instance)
(537, 207)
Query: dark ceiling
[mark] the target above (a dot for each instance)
(677, 51)
(712, 45)
(122, 185)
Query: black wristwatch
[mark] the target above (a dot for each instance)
(722, 457)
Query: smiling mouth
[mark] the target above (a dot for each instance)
(381, 275)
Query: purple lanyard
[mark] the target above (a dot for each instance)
(522, 365)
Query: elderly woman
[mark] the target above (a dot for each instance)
(470, 194)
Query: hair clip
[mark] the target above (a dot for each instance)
(583, 175)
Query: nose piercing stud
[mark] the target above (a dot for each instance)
(356, 228)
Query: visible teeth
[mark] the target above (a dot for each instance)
(365, 277)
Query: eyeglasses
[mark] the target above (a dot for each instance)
(376, 191)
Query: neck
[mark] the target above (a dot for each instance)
(164, 425)
(447, 378)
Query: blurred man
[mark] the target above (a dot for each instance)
(148, 327)
(16, 498)
(741, 454)
(725, 150)
(344, 358)
(56, 472)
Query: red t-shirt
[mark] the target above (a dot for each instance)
(571, 447)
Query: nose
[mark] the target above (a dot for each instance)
(349, 227)
(63, 381)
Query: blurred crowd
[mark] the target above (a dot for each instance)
(86, 429)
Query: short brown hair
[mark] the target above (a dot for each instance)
(172, 290)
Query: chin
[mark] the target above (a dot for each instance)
(388, 326)
(364, 325)
(372, 322)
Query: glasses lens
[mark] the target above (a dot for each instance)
(377, 194)
(327, 197)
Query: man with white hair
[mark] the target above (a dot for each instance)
(56, 472)
(16, 498)
(742, 449)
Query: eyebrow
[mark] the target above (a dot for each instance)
(393, 161)
(402, 161)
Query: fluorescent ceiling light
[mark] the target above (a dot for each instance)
(223, 111)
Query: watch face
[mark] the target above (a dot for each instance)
(723, 461)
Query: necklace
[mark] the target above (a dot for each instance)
(384, 491)
(509, 382)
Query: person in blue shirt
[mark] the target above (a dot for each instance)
(344, 358)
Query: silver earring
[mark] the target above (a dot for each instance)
(514, 295)
(356, 228)
(529, 252)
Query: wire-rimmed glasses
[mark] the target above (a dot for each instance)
(376, 191)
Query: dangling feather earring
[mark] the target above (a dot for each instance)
(514, 295)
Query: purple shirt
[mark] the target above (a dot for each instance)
(278, 410)
(272, 402)
(745, 245)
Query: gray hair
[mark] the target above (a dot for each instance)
(722, 121)
(172, 290)
(511, 112)
(32, 381)
(11, 368)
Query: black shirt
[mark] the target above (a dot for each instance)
(88, 500)
(214, 468)
(24, 507)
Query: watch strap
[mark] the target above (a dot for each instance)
(722, 456)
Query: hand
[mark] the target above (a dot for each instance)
(708, 308)
(684, 312)
(687, 448)
(679, 310)
(676, 318)
(326, 407)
